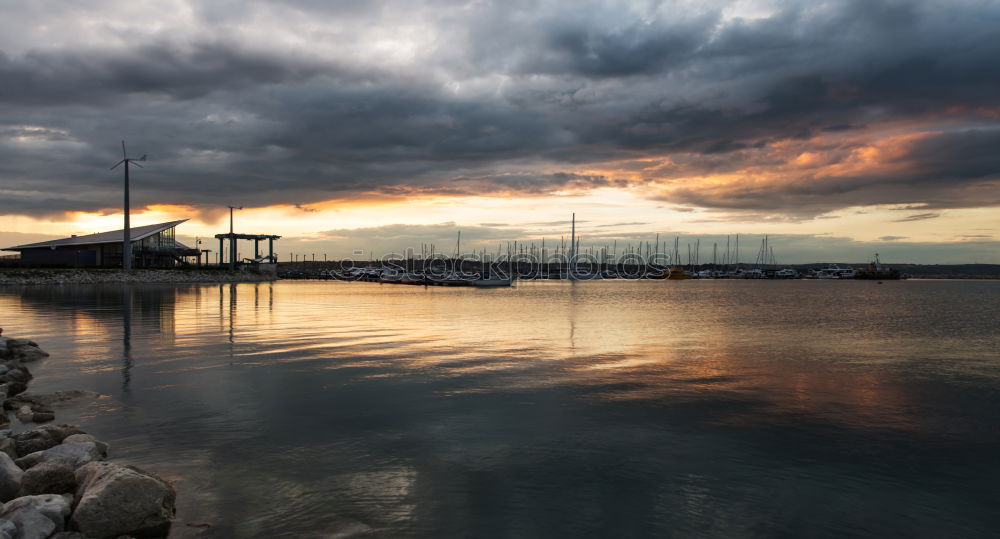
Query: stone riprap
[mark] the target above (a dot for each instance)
(96, 276)
(54, 480)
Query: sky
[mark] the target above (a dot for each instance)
(838, 129)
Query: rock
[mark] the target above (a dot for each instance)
(24, 350)
(17, 375)
(38, 516)
(62, 430)
(10, 478)
(8, 530)
(30, 524)
(43, 402)
(76, 454)
(121, 500)
(4, 369)
(68, 535)
(43, 437)
(7, 446)
(42, 417)
(24, 412)
(33, 440)
(13, 388)
(78, 438)
(50, 477)
(26, 415)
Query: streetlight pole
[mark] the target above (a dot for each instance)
(232, 238)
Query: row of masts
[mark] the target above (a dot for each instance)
(653, 252)
(570, 249)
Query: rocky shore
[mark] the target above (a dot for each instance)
(92, 276)
(54, 480)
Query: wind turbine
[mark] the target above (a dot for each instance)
(127, 239)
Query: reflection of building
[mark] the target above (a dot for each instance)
(152, 246)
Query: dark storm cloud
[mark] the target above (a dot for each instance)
(44, 78)
(295, 102)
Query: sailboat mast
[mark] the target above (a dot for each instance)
(572, 239)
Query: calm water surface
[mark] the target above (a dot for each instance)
(555, 409)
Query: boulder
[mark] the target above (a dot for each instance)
(45, 401)
(30, 524)
(76, 454)
(79, 438)
(68, 535)
(8, 530)
(23, 350)
(34, 440)
(50, 477)
(10, 478)
(7, 446)
(13, 388)
(121, 500)
(42, 417)
(41, 438)
(26, 415)
(38, 516)
(14, 343)
(17, 375)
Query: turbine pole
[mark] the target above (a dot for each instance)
(127, 233)
(127, 238)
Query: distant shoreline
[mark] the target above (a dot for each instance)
(24, 276)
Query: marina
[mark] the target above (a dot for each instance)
(473, 272)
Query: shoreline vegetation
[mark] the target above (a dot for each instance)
(54, 479)
(57, 276)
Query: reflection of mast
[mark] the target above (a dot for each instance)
(232, 313)
(126, 338)
(572, 315)
(572, 249)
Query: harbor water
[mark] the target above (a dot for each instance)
(552, 409)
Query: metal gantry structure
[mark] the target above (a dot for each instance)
(232, 236)
(257, 238)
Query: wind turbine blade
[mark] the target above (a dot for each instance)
(134, 164)
(124, 155)
(116, 164)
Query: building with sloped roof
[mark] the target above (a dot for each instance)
(153, 246)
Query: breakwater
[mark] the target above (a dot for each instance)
(95, 276)
(54, 480)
